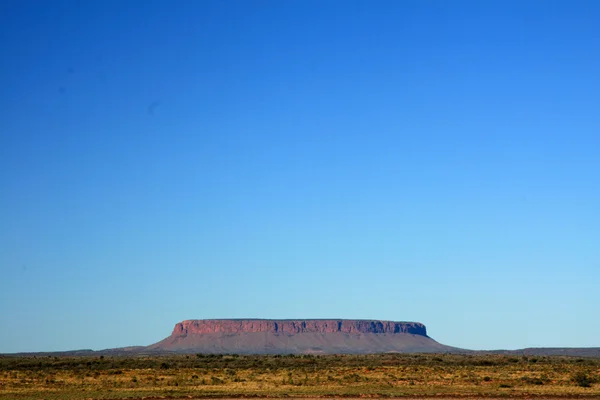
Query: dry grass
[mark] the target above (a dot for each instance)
(308, 376)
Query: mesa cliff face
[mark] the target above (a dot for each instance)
(310, 336)
(191, 327)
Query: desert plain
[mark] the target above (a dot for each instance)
(200, 376)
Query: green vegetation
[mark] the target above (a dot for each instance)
(385, 375)
(583, 379)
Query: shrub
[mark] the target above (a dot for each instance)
(532, 380)
(582, 379)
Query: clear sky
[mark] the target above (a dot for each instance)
(431, 161)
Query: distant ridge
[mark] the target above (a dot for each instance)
(304, 336)
(299, 336)
(552, 351)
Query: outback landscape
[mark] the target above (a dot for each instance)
(387, 163)
(299, 358)
(229, 376)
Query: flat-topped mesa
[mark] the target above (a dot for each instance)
(206, 326)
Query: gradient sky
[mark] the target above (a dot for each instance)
(432, 161)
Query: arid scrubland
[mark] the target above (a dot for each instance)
(385, 375)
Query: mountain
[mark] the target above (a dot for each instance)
(311, 336)
(308, 336)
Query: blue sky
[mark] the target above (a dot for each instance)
(428, 161)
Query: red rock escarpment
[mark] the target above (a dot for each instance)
(287, 336)
(208, 326)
